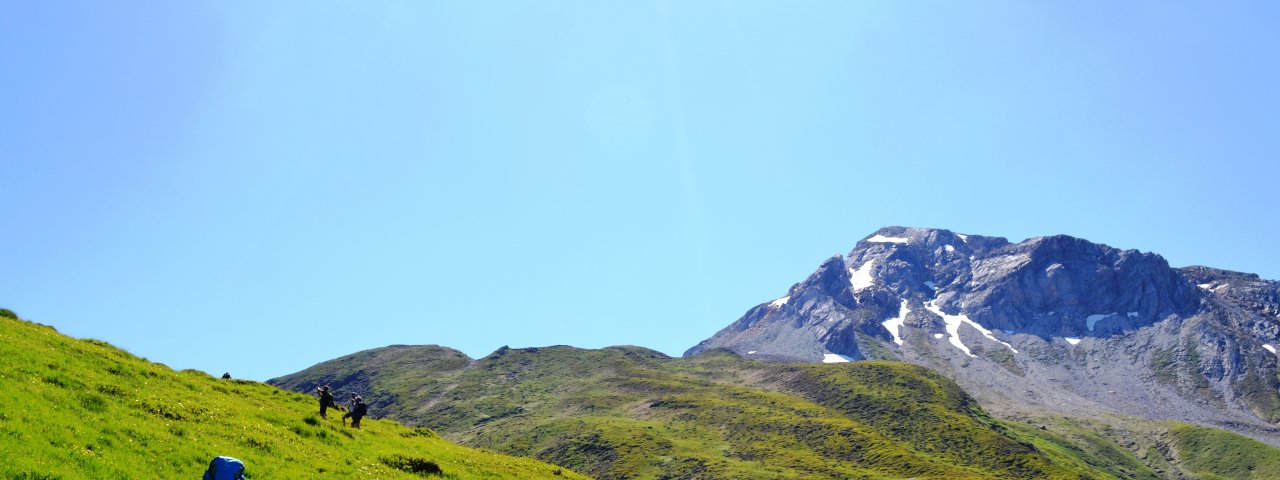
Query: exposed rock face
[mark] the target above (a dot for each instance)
(1054, 323)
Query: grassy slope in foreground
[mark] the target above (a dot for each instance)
(84, 409)
(626, 412)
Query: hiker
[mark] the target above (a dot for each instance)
(351, 407)
(358, 411)
(326, 400)
(224, 468)
(226, 375)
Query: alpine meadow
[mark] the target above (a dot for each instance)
(78, 409)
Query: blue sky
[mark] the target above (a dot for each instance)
(255, 187)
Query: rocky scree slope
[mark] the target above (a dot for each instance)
(1054, 324)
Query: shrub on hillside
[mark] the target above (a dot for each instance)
(414, 465)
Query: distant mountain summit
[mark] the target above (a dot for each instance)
(1056, 323)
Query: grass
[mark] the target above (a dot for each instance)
(628, 412)
(84, 409)
(1212, 454)
(1143, 449)
(1077, 445)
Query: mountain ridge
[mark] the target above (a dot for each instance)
(631, 412)
(1184, 343)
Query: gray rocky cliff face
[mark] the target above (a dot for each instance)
(1051, 323)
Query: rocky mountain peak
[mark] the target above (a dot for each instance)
(1054, 285)
(1034, 312)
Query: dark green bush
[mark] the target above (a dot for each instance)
(414, 465)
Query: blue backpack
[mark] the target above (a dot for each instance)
(224, 468)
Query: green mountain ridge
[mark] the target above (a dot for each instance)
(84, 409)
(630, 412)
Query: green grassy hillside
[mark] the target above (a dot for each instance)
(84, 409)
(1213, 454)
(1173, 450)
(627, 412)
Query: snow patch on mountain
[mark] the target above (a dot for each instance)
(894, 325)
(1072, 340)
(834, 358)
(860, 277)
(780, 302)
(953, 328)
(883, 239)
(1269, 348)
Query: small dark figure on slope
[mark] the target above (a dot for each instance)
(326, 400)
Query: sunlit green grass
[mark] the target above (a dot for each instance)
(1212, 454)
(84, 409)
(1148, 449)
(626, 412)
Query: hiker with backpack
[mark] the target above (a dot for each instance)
(326, 400)
(358, 411)
(351, 407)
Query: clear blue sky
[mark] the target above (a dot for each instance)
(255, 187)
